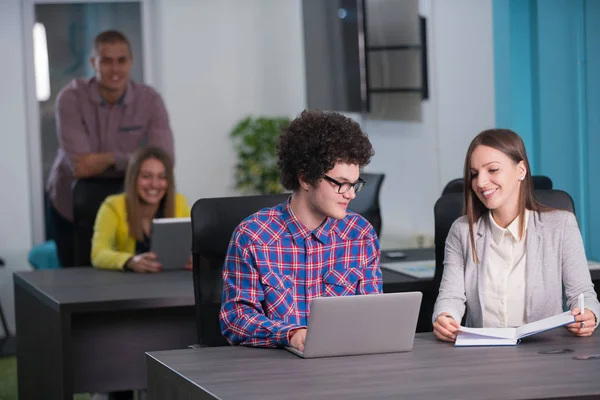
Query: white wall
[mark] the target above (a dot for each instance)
(221, 61)
(15, 214)
(247, 58)
(465, 78)
(420, 158)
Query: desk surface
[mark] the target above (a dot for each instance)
(86, 330)
(432, 370)
(77, 289)
(90, 289)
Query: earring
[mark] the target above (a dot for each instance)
(521, 178)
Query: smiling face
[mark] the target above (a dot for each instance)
(496, 179)
(112, 63)
(152, 182)
(323, 198)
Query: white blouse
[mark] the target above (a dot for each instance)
(504, 288)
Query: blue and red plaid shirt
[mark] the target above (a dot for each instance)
(275, 267)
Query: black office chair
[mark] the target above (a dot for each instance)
(457, 186)
(213, 223)
(366, 202)
(454, 186)
(449, 207)
(446, 210)
(88, 195)
(554, 198)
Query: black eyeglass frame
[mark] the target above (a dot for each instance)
(358, 185)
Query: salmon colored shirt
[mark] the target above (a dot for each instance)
(85, 123)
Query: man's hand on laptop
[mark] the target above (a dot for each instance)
(145, 262)
(297, 338)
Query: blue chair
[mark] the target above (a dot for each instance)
(44, 256)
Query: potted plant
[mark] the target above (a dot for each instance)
(255, 142)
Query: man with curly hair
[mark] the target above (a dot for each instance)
(281, 258)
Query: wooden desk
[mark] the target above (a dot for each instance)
(433, 370)
(86, 330)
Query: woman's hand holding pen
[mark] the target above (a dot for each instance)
(584, 324)
(445, 327)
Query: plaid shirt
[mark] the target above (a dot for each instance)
(275, 267)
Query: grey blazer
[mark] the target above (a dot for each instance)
(555, 260)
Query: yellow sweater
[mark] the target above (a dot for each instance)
(112, 245)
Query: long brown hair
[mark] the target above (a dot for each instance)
(511, 144)
(132, 199)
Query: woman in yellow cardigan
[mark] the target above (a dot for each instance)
(123, 223)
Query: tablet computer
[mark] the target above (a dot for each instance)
(171, 241)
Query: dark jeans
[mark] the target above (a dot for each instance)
(62, 231)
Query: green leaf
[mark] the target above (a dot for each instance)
(255, 143)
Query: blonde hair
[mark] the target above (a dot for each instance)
(132, 199)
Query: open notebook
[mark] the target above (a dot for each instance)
(510, 336)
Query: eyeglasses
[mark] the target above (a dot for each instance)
(344, 187)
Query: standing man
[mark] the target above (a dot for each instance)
(100, 122)
(281, 258)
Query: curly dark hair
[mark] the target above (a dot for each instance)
(315, 141)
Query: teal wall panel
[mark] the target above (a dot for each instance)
(502, 92)
(515, 61)
(558, 92)
(591, 63)
(547, 80)
(523, 83)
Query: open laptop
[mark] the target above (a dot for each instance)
(171, 241)
(367, 324)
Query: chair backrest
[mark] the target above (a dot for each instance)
(366, 202)
(213, 223)
(553, 198)
(541, 182)
(88, 195)
(454, 186)
(449, 207)
(457, 185)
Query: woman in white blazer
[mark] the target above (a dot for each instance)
(508, 258)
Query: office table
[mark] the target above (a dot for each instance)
(398, 282)
(86, 330)
(433, 370)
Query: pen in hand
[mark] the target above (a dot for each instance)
(581, 308)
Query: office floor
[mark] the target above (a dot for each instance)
(8, 380)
